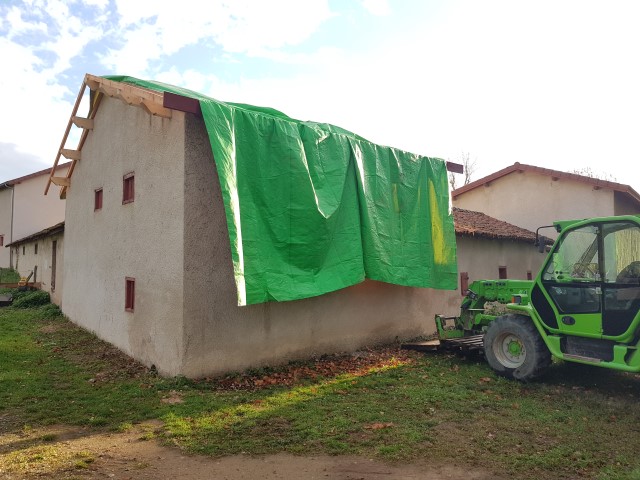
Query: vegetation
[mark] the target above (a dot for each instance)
(386, 403)
(8, 275)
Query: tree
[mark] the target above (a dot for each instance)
(469, 169)
(587, 172)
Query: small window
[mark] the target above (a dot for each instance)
(130, 294)
(1, 240)
(97, 199)
(35, 248)
(128, 188)
(23, 249)
(464, 282)
(529, 275)
(502, 272)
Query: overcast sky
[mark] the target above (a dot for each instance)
(549, 83)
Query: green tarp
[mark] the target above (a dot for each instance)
(312, 208)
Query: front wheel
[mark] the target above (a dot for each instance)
(514, 349)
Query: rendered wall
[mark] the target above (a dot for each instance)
(481, 257)
(222, 337)
(43, 263)
(530, 200)
(142, 239)
(6, 195)
(32, 209)
(624, 206)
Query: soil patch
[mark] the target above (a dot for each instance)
(77, 453)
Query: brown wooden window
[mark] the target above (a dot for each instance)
(97, 199)
(464, 282)
(502, 272)
(129, 294)
(128, 188)
(529, 275)
(1, 240)
(36, 249)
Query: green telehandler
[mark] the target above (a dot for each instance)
(582, 307)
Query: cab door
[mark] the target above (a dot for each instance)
(572, 280)
(621, 286)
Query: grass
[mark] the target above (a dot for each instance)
(7, 275)
(397, 406)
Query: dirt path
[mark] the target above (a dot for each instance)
(66, 453)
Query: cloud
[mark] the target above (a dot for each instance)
(15, 164)
(254, 28)
(379, 8)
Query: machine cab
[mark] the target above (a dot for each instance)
(590, 283)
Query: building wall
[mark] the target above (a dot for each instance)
(481, 258)
(624, 206)
(41, 263)
(530, 200)
(219, 336)
(6, 208)
(32, 209)
(142, 239)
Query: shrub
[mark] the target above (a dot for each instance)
(49, 311)
(31, 299)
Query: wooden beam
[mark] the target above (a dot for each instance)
(455, 167)
(91, 82)
(66, 134)
(155, 109)
(178, 102)
(81, 122)
(61, 181)
(71, 154)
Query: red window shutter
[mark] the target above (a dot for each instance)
(130, 294)
(502, 273)
(128, 188)
(464, 282)
(97, 203)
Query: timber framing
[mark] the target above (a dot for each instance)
(155, 103)
(159, 104)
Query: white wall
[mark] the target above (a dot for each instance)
(481, 257)
(142, 239)
(43, 263)
(6, 201)
(531, 200)
(32, 209)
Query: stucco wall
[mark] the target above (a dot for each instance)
(481, 257)
(32, 209)
(142, 239)
(43, 263)
(530, 200)
(6, 195)
(624, 206)
(220, 336)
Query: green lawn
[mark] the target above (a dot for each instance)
(393, 405)
(8, 275)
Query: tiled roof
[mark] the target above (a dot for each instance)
(15, 181)
(58, 227)
(477, 224)
(596, 183)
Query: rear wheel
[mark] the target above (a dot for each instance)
(514, 349)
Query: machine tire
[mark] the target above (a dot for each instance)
(514, 348)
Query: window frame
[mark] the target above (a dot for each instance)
(128, 188)
(98, 196)
(129, 294)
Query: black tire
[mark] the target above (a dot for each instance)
(514, 348)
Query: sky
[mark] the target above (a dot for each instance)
(551, 83)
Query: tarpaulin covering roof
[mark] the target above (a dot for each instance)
(312, 208)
